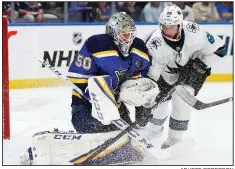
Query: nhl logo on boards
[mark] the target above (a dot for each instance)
(77, 38)
(138, 63)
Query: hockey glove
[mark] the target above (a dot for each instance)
(194, 74)
(139, 92)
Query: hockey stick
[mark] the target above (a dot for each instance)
(121, 124)
(195, 103)
(192, 100)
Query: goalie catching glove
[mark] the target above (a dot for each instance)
(139, 92)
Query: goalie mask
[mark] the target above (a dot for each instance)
(123, 31)
(171, 22)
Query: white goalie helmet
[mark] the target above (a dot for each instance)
(123, 31)
(171, 15)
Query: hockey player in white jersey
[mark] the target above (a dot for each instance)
(178, 49)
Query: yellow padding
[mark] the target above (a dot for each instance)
(75, 80)
(48, 82)
(139, 52)
(34, 83)
(109, 52)
(106, 88)
(77, 94)
(220, 78)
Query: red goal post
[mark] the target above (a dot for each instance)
(5, 78)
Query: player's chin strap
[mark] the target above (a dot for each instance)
(129, 129)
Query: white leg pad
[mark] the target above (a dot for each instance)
(58, 148)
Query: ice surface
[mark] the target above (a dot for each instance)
(34, 110)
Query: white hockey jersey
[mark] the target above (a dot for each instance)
(197, 43)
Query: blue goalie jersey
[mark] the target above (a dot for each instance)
(100, 56)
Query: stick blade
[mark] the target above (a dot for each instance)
(200, 106)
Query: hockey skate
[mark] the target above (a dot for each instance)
(175, 147)
(170, 142)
